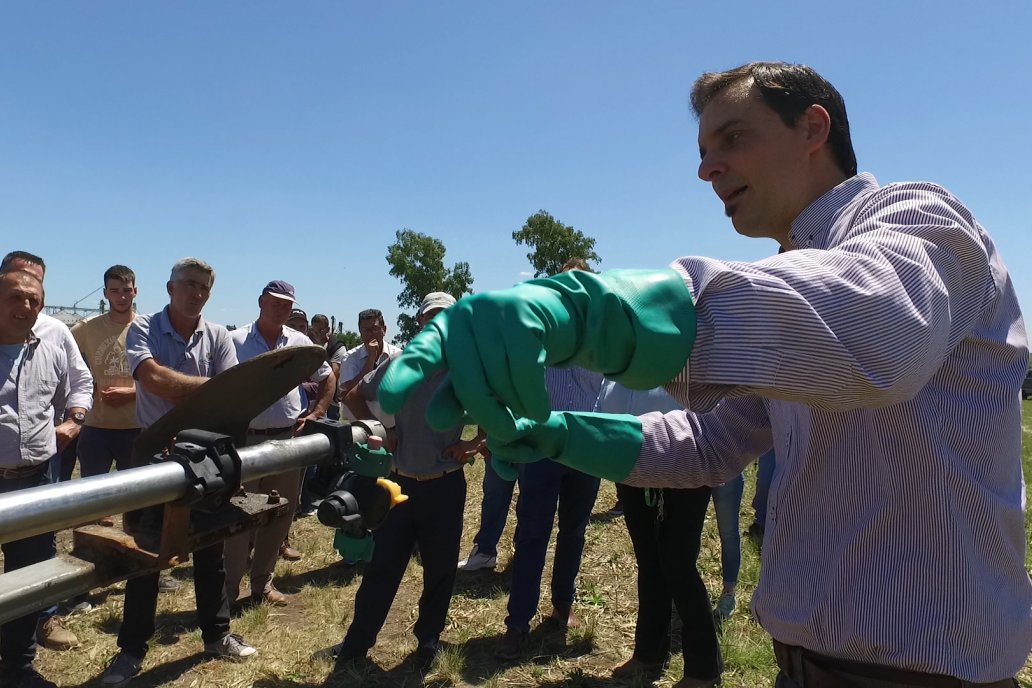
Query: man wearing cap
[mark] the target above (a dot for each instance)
(358, 362)
(428, 467)
(279, 421)
(172, 353)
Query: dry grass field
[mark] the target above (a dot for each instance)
(289, 640)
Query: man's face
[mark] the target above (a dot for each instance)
(298, 323)
(372, 330)
(319, 332)
(274, 310)
(21, 300)
(425, 318)
(189, 292)
(120, 294)
(756, 165)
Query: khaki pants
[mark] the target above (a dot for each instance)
(266, 540)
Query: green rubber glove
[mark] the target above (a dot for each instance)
(636, 327)
(600, 444)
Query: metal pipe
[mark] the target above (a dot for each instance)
(41, 585)
(47, 508)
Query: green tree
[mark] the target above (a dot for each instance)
(418, 261)
(553, 243)
(350, 339)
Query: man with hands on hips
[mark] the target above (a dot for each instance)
(880, 355)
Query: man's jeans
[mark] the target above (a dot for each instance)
(546, 486)
(18, 637)
(99, 448)
(727, 504)
(494, 510)
(764, 473)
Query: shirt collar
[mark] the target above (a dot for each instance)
(810, 228)
(281, 340)
(165, 324)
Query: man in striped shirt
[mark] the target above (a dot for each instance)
(880, 356)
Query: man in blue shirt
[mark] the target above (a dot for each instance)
(880, 356)
(280, 421)
(34, 374)
(171, 353)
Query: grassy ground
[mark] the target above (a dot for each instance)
(290, 639)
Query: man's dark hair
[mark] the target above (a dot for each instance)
(575, 264)
(23, 255)
(320, 318)
(370, 314)
(120, 273)
(787, 89)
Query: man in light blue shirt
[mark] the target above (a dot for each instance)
(280, 421)
(171, 353)
(34, 374)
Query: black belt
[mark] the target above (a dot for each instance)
(22, 471)
(269, 431)
(425, 477)
(813, 670)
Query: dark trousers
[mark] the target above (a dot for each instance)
(494, 510)
(141, 601)
(545, 488)
(431, 519)
(666, 533)
(99, 448)
(18, 637)
(804, 669)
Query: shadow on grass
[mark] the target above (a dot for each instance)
(334, 574)
(162, 673)
(542, 647)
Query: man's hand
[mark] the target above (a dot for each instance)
(118, 396)
(66, 432)
(635, 326)
(599, 444)
(373, 350)
(463, 451)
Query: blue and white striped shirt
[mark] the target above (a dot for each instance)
(882, 359)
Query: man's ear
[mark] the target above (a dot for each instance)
(168, 287)
(817, 126)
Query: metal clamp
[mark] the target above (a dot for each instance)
(212, 467)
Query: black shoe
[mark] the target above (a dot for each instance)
(425, 656)
(26, 678)
(755, 533)
(510, 646)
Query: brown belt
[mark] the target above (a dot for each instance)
(269, 431)
(424, 478)
(813, 670)
(22, 471)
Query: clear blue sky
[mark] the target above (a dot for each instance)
(287, 140)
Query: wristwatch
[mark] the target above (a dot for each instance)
(78, 417)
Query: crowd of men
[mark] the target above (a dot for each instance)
(880, 354)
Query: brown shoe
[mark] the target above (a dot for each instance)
(565, 618)
(634, 668)
(288, 553)
(272, 596)
(51, 633)
(511, 645)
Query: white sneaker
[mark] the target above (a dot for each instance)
(121, 670)
(230, 645)
(477, 561)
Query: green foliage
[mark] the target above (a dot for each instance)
(350, 338)
(418, 261)
(553, 244)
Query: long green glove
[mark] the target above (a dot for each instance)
(635, 326)
(600, 444)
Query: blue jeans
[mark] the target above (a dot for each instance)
(545, 487)
(494, 510)
(764, 472)
(727, 503)
(18, 637)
